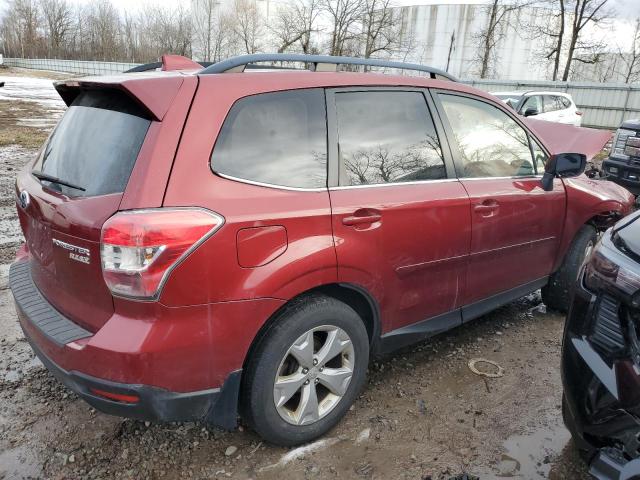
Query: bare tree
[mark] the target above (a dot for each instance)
(58, 17)
(295, 23)
(94, 30)
(559, 37)
(452, 46)
(345, 17)
(550, 31)
(631, 59)
(206, 20)
(247, 25)
(165, 29)
(493, 32)
(103, 24)
(584, 13)
(21, 28)
(380, 27)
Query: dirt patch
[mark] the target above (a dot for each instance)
(423, 414)
(21, 123)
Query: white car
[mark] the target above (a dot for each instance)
(549, 106)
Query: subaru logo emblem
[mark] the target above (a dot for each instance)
(24, 199)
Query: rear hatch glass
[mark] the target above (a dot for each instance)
(95, 145)
(74, 186)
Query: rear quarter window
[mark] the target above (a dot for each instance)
(95, 145)
(277, 138)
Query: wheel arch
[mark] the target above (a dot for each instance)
(603, 220)
(356, 296)
(602, 217)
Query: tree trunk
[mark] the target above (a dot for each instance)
(451, 45)
(486, 52)
(572, 49)
(556, 62)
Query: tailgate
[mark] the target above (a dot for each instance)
(65, 196)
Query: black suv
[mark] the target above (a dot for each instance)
(601, 355)
(623, 164)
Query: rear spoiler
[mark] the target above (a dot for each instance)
(153, 92)
(169, 63)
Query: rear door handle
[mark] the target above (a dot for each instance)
(365, 218)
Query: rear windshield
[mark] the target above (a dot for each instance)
(95, 145)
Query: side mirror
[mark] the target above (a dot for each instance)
(563, 165)
(531, 111)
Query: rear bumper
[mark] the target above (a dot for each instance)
(65, 349)
(151, 403)
(623, 174)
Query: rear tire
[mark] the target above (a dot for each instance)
(557, 293)
(315, 342)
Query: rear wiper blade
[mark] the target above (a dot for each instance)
(50, 178)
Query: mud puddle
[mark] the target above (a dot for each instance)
(531, 455)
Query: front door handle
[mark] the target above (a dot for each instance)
(361, 217)
(486, 207)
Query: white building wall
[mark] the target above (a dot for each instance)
(517, 55)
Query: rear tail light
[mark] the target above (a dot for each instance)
(140, 248)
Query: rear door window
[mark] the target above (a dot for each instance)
(386, 137)
(277, 138)
(95, 145)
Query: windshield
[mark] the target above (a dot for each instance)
(93, 149)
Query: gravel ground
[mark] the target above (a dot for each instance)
(423, 414)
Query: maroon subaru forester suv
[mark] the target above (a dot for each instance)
(208, 243)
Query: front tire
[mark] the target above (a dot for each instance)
(557, 293)
(306, 371)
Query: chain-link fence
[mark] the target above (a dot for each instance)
(78, 67)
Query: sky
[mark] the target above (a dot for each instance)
(624, 8)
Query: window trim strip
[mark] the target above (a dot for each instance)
(390, 184)
(270, 185)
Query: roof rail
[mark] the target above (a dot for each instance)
(320, 63)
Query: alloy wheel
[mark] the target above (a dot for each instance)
(314, 375)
